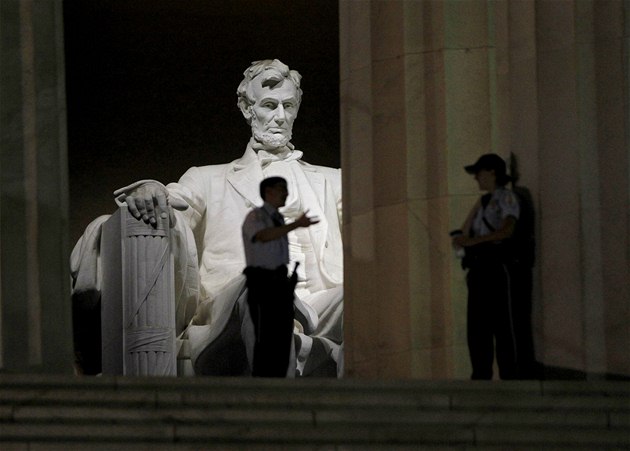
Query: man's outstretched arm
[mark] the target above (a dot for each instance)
(273, 233)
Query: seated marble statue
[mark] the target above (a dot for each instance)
(207, 207)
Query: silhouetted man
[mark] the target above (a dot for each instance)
(270, 291)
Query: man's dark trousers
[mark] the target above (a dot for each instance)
(270, 300)
(490, 319)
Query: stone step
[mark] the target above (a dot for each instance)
(320, 416)
(332, 435)
(240, 413)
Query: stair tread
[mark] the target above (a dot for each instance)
(189, 413)
(300, 433)
(319, 416)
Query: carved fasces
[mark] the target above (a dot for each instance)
(139, 304)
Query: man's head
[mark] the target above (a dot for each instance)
(274, 191)
(489, 171)
(269, 97)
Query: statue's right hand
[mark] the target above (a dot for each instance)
(147, 199)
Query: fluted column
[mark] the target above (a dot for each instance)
(392, 322)
(583, 185)
(35, 323)
(427, 87)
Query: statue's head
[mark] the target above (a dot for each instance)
(269, 97)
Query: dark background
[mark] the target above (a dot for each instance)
(151, 87)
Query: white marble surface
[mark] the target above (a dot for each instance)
(212, 202)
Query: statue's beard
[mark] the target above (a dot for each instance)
(271, 141)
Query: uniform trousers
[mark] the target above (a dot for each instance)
(270, 300)
(490, 320)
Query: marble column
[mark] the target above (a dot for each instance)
(428, 86)
(583, 185)
(35, 323)
(394, 136)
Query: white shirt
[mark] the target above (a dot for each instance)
(267, 254)
(301, 249)
(503, 203)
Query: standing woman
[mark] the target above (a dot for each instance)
(484, 236)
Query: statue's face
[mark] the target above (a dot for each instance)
(273, 112)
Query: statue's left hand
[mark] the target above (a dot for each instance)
(144, 201)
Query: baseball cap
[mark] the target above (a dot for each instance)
(490, 161)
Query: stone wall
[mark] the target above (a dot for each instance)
(427, 87)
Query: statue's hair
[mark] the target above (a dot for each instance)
(273, 71)
(270, 182)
